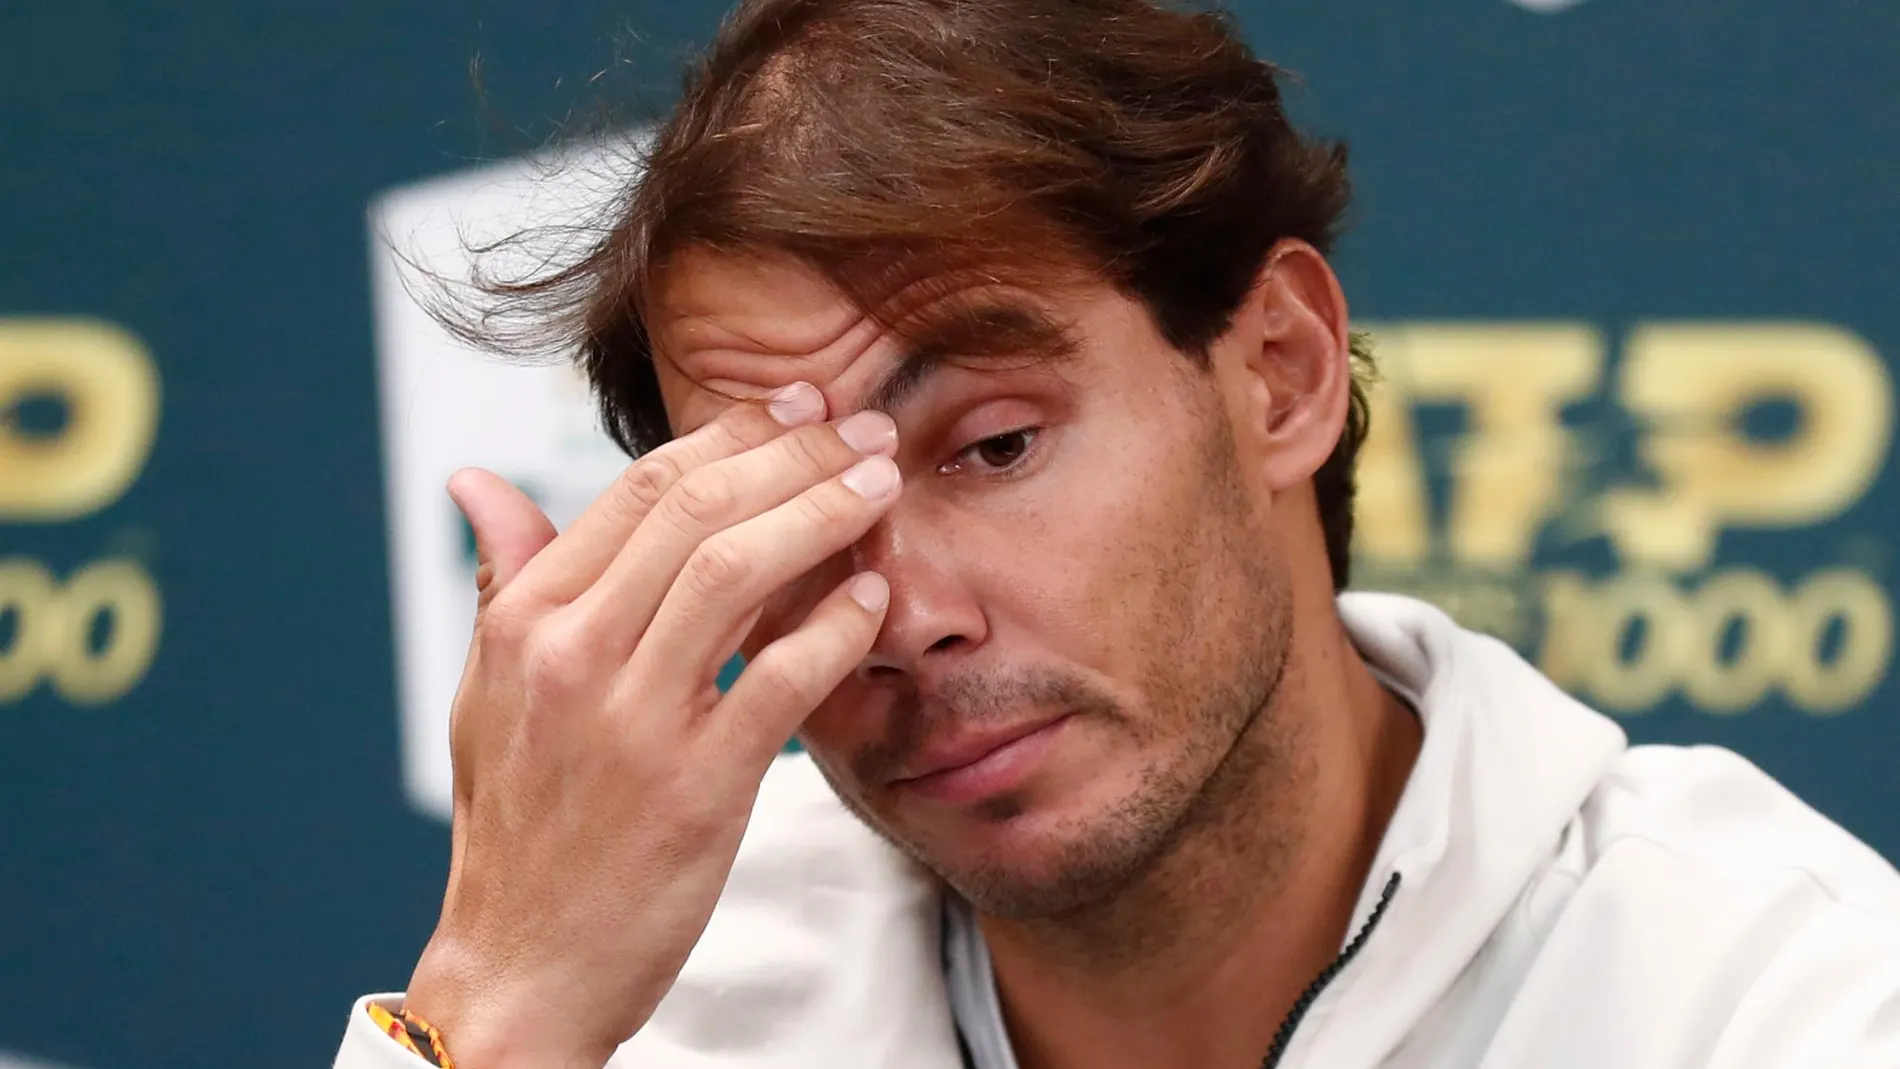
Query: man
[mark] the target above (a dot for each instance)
(1012, 408)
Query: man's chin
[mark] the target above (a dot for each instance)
(1057, 844)
(1044, 889)
(1033, 865)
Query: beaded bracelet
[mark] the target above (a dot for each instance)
(417, 1035)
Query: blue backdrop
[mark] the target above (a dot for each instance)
(1634, 266)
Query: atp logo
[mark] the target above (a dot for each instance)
(1580, 508)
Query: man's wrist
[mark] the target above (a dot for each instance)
(485, 1024)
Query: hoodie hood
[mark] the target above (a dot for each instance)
(1507, 761)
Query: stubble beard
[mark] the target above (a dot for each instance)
(1214, 822)
(1221, 792)
(1096, 862)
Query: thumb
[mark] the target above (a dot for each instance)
(509, 527)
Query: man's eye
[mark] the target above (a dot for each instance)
(997, 453)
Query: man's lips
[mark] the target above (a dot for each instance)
(956, 751)
(964, 767)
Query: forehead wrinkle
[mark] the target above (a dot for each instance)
(760, 350)
(757, 305)
(749, 323)
(769, 332)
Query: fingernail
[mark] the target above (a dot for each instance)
(871, 591)
(868, 432)
(873, 479)
(797, 404)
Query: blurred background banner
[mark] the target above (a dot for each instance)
(1632, 268)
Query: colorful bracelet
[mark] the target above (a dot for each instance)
(419, 1036)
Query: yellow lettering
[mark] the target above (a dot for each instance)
(1570, 620)
(1866, 645)
(1513, 381)
(121, 591)
(54, 625)
(27, 591)
(1751, 601)
(1691, 385)
(1641, 680)
(110, 391)
(1782, 639)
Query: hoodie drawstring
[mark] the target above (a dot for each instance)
(1313, 990)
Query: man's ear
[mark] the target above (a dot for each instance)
(1285, 366)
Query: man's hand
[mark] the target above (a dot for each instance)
(602, 782)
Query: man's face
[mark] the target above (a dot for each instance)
(1087, 606)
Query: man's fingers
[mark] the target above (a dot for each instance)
(781, 686)
(583, 552)
(509, 527)
(733, 572)
(690, 524)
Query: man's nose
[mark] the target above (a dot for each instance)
(934, 614)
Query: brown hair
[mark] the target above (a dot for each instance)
(887, 142)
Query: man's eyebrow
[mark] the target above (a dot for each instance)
(1010, 334)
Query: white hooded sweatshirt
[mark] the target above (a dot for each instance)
(1563, 901)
